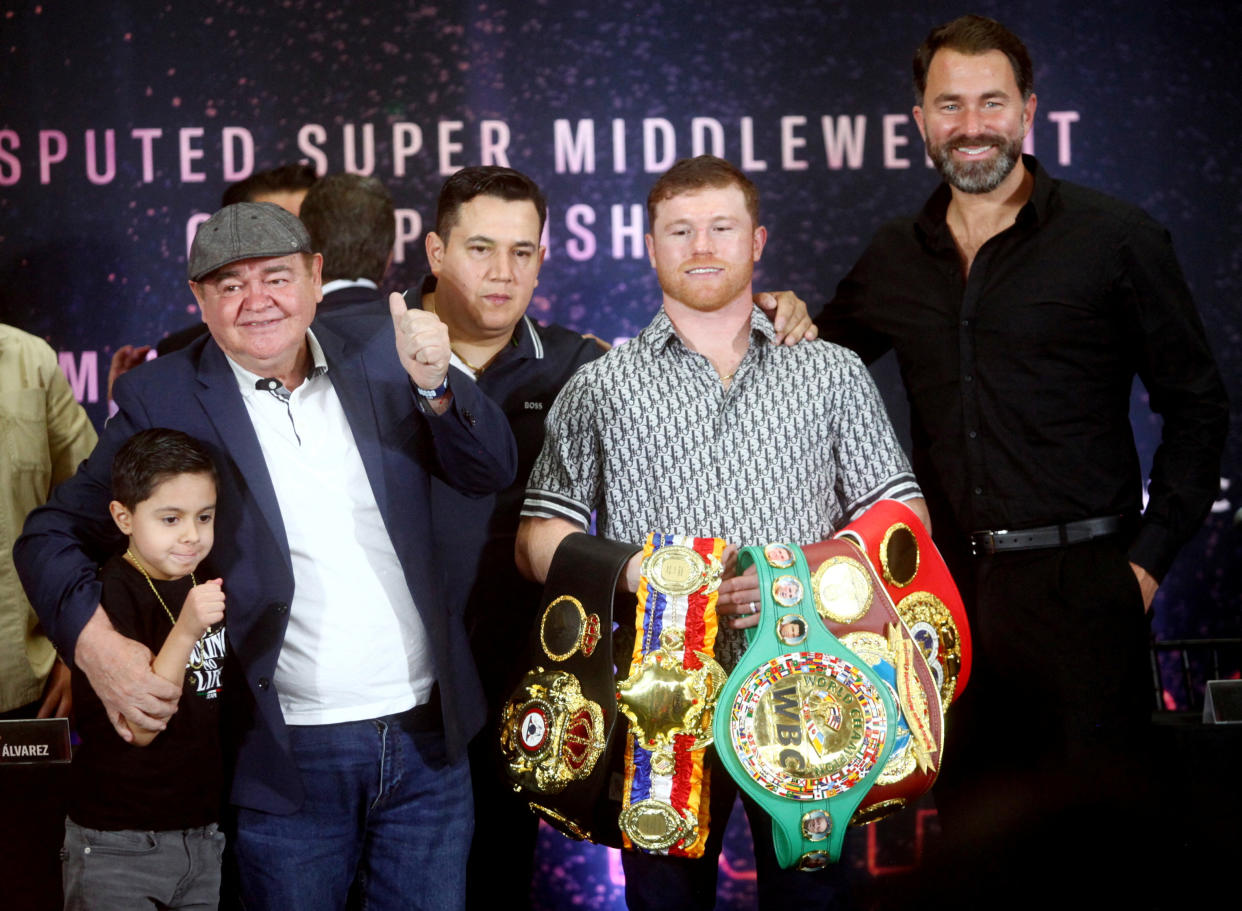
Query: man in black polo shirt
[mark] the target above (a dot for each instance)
(484, 255)
(1021, 308)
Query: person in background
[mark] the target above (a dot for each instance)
(286, 186)
(353, 226)
(44, 434)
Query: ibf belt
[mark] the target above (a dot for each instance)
(559, 731)
(669, 696)
(803, 725)
(850, 600)
(920, 586)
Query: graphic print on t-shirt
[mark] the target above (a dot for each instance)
(206, 660)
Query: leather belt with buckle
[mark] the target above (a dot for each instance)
(991, 542)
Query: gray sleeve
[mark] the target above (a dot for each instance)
(872, 464)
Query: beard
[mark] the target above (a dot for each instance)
(706, 298)
(976, 176)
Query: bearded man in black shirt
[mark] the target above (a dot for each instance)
(1020, 308)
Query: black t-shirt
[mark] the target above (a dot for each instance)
(175, 782)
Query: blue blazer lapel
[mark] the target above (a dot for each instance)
(355, 384)
(222, 402)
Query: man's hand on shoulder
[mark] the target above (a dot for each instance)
(119, 671)
(600, 343)
(788, 314)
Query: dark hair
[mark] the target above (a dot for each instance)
(485, 180)
(973, 35)
(293, 176)
(151, 457)
(352, 223)
(690, 174)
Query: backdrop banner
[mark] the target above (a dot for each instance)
(122, 122)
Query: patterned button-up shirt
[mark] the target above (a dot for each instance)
(796, 447)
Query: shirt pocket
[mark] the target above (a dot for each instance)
(23, 429)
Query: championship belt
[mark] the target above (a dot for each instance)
(853, 604)
(919, 584)
(669, 695)
(559, 728)
(803, 725)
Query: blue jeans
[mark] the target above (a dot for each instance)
(384, 806)
(176, 869)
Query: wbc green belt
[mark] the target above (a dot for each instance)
(803, 725)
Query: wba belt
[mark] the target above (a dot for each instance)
(560, 726)
(803, 725)
(920, 586)
(852, 602)
(669, 695)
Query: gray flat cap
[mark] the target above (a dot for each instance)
(245, 230)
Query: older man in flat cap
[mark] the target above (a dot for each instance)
(359, 693)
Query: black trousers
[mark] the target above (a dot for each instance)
(1045, 773)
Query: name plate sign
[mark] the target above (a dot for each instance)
(41, 741)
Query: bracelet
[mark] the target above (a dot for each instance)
(433, 393)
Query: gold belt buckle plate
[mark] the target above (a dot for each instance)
(550, 733)
(679, 570)
(662, 699)
(807, 725)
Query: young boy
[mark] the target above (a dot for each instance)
(142, 819)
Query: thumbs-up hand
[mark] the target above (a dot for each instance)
(422, 343)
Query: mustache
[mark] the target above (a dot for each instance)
(979, 139)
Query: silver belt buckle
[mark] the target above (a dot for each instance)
(985, 542)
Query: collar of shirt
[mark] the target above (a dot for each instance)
(661, 331)
(246, 380)
(934, 227)
(338, 283)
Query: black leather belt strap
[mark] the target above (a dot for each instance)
(992, 542)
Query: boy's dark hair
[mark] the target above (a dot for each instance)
(974, 35)
(294, 176)
(351, 222)
(485, 180)
(151, 457)
(700, 173)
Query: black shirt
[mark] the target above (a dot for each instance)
(1019, 376)
(175, 781)
(476, 536)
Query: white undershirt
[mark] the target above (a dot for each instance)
(355, 647)
(338, 283)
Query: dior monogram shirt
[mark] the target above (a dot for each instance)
(797, 446)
